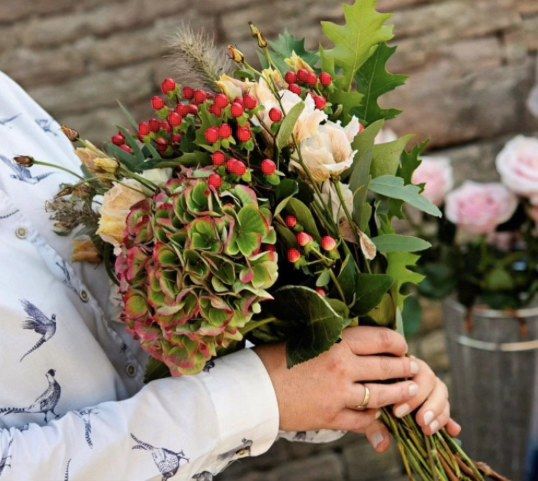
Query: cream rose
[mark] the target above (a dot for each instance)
(517, 164)
(115, 209)
(437, 174)
(233, 88)
(480, 208)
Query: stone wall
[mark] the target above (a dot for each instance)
(471, 65)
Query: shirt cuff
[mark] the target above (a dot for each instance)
(245, 403)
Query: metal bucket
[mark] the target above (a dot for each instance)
(494, 365)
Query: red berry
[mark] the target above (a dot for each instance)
(211, 135)
(237, 110)
(193, 109)
(328, 243)
(183, 110)
(199, 97)
(225, 131)
(325, 79)
(118, 139)
(275, 114)
(311, 79)
(293, 255)
(215, 180)
(322, 292)
(176, 138)
(218, 158)
(250, 102)
(303, 239)
(144, 129)
(188, 93)
(166, 126)
(291, 221)
(236, 167)
(290, 77)
(216, 110)
(221, 101)
(244, 134)
(157, 103)
(174, 119)
(168, 85)
(268, 167)
(295, 89)
(155, 125)
(321, 102)
(126, 148)
(302, 75)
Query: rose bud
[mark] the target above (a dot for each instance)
(291, 221)
(328, 243)
(275, 114)
(235, 54)
(258, 35)
(268, 167)
(304, 239)
(293, 255)
(70, 133)
(24, 160)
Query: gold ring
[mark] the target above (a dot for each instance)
(364, 404)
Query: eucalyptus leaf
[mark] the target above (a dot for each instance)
(304, 216)
(283, 137)
(386, 157)
(399, 243)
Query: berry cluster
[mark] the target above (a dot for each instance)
(307, 81)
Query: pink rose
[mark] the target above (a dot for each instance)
(480, 208)
(436, 173)
(517, 164)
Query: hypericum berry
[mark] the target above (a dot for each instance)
(161, 141)
(275, 114)
(174, 119)
(311, 79)
(321, 102)
(291, 221)
(176, 138)
(211, 135)
(199, 97)
(215, 180)
(268, 167)
(168, 85)
(218, 158)
(188, 93)
(295, 89)
(244, 134)
(328, 243)
(322, 292)
(293, 255)
(221, 101)
(193, 109)
(237, 109)
(303, 239)
(166, 126)
(325, 79)
(225, 131)
(183, 110)
(118, 139)
(249, 102)
(236, 167)
(157, 103)
(302, 75)
(126, 148)
(290, 77)
(216, 110)
(155, 125)
(144, 129)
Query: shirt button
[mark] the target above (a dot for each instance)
(21, 232)
(84, 297)
(130, 369)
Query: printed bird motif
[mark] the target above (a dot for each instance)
(85, 415)
(39, 323)
(46, 125)
(8, 120)
(2, 217)
(44, 404)
(240, 451)
(204, 476)
(168, 462)
(66, 275)
(4, 459)
(66, 476)
(23, 174)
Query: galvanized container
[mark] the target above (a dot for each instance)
(494, 364)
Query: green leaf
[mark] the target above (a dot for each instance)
(284, 192)
(364, 145)
(128, 115)
(285, 131)
(311, 325)
(251, 229)
(304, 216)
(410, 162)
(373, 80)
(355, 41)
(411, 316)
(386, 157)
(347, 279)
(370, 289)
(394, 188)
(399, 264)
(399, 243)
(285, 45)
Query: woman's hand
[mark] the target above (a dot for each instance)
(324, 392)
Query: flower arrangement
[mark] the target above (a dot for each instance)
(259, 204)
(485, 248)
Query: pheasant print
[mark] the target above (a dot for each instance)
(46, 125)
(2, 217)
(66, 275)
(243, 450)
(23, 174)
(4, 459)
(8, 120)
(168, 462)
(44, 404)
(85, 415)
(39, 323)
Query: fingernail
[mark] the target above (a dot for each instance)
(402, 410)
(413, 389)
(414, 367)
(377, 439)
(434, 426)
(378, 414)
(428, 417)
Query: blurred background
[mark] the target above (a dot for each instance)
(472, 64)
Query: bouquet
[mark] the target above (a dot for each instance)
(485, 248)
(256, 205)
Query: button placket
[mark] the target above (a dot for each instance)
(21, 232)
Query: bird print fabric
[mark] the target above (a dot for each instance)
(39, 323)
(23, 174)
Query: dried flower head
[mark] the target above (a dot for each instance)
(70, 133)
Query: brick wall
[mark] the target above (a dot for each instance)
(471, 62)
